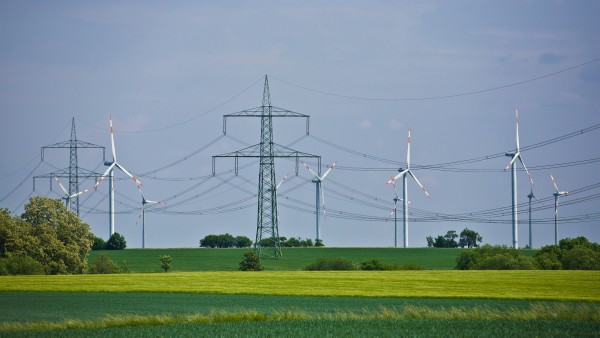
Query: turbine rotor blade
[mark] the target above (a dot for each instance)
(112, 140)
(61, 186)
(408, 151)
(395, 190)
(527, 171)
(517, 123)
(554, 183)
(328, 171)
(104, 175)
(79, 193)
(281, 182)
(139, 184)
(311, 171)
(512, 161)
(419, 183)
(139, 216)
(323, 203)
(397, 176)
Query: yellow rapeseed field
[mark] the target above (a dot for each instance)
(525, 285)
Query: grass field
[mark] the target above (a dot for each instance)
(531, 284)
(146, 260)
(206, 297)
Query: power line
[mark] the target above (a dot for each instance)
(438, 97)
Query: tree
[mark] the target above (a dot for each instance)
(165, 262)
(306, 242)
(251, 262)
(225, 241)
(488, 257)
(430, 241)
(243, 242)
(48, 233)
(469, 238)
(319, 243)
(116, 242)
(98, 243)
(293, 242)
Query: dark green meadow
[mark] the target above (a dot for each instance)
(146, 260)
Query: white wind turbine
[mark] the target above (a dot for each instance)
(68, 197)
(277, 201)
(142, 215)
(557, 195)
(512, 164)
(320, 197)
(110, 172)
(403, 173)
(395, 213)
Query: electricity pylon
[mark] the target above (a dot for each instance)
(73, 172)
(267, 224)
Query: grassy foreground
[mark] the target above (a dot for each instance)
(527, 285)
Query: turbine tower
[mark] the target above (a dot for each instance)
(512, 164)
(111, 183)
(403, 173)
(320, 196)
(395, 213)
(142, 215)
(530, 196)
(557, 195)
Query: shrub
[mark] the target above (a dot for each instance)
(98, 243)
(104, 265)
(116, 242)
(373, 264)
(329, 264)
(165, 262)
(581, 258)
(410, 266)
(548, 261)
(21, 265)
(319, 243)
(251, 262)
(488, 257)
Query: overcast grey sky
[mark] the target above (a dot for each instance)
(168, 72)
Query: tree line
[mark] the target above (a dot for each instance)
(229, 241)
(467, 238)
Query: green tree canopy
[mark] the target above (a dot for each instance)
(469, 238)
(116, 242)
(49, 233)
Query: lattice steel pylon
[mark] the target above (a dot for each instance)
(267, 224)
(73, 172)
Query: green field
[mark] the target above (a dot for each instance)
(145, 260)
(205, 296)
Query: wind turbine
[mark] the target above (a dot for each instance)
(111, 187)
(512, 164)
(530, 196)
(557, 195)
(395, 213)
(403, 173)
(142, 215)
(68, 197)
(317, 181)
(276, 189)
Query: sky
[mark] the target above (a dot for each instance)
(454, 72)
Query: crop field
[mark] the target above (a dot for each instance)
(145, 260)
(206, 297)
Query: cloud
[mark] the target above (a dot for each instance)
(550, 58)
(394, 124)
(366, 124)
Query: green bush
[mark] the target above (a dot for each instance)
(409, 266)
(570, 254)
(331, 264)
(21, 265)
(251, 262)
(104, 265)
(373, 264)
(548, 261)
